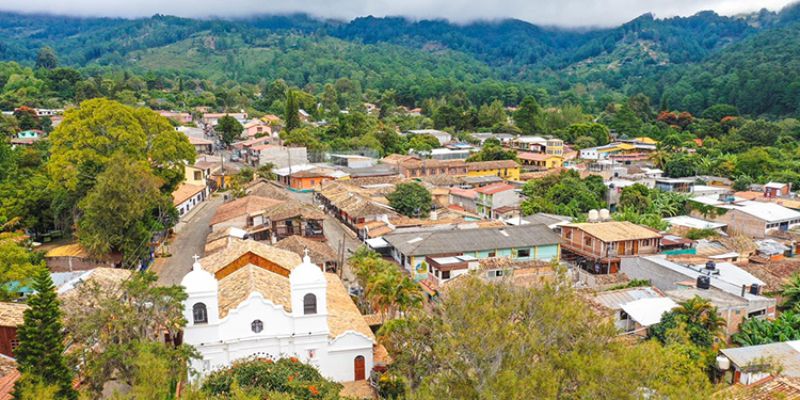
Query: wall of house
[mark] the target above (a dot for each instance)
(280, 156)
(238, 222)
(505, 173)
(467, 203)
(415, 264)
(190, 203)
(506, 198)
(8, 338)
(738, 222)
(311, 183)
(195, 176)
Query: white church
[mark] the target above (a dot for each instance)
(252, 299)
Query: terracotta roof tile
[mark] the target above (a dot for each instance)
(11, 314)
(245, 205)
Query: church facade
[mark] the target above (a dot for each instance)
(252, 299)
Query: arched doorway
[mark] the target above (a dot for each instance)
(360, 368)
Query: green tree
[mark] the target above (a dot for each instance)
(528, 116)
(123, 211)
(636, 197)
(492, 152)
(423, 143)
(755, 331)
(791, 293)
(82, 146)
(532, 340)
(229, 129)
(46, 58)
(285, 378)
(411, 199)
(719, 111)
(699, 317)
(265, 171)
(17, 265)
(292, 113)
(40, 354)
(598, 132)
(117, 328)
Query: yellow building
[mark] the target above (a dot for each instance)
(506, 169)
(541, 160)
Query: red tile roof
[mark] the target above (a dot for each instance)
(468, 193)
(495, 188)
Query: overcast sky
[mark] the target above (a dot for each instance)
(568, 13)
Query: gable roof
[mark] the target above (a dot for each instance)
(495, 188)
(185, 192)
(238, 249)
(468, 193)
(264, 188)
(786, 353)
(291, 209)
(615, 231)
(11, 314)
(319, 252)
(237, 286)
(465, 240)
(245, 205)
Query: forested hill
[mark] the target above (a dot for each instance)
(683, 62)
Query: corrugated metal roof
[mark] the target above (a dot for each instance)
(456, 241)
(785, 353)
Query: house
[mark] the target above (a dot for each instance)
(216, 170)
(445, 153)
(506, 169)
(553, 221)
(480, 181)
(352, 161)
(182, 118)
(268, 189)
(442, 136)
(352, 205)
(540, 161)
(736, 293)
(321, 254)
(212, 119)
(751, 218)
(464, 198)
(752, 364)
(413, 167)
(245, 213)
(633, 310)
(257, 128)
(252, 299)
(600, 246)
(688, 222)
(675, 185)
(272, 119)
(414, 250)
(28, 137)
(201, 146)
(11, 317)
(482, 137)
(188, 196)
(74, 257)
(278, 156)
(9, 375)
(776, 189)
(493, 197)
(770, 388)
(308, 177)
(290, 218)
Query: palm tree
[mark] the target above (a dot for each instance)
(791, 292)
(699, 311)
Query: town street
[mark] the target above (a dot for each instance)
(190, 239)
(335, 232)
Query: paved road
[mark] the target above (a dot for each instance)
(190, 239)
(334, 232)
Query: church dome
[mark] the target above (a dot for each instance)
(307, 273)
(199, 280)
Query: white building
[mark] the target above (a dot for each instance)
(252, 299)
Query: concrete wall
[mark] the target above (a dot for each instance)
(280, 156)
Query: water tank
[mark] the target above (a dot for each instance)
(710, 265)
(594, 216)
(703, 282)
(723, 363)
(755, 288)
(605, 215)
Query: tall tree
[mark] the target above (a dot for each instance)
(229, 129)
(292, 112)
(411, 199)
(528, 116)
(46, 58)
(123, 211)
(495, 340)
(40, 354)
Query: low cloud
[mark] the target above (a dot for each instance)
(565, 13)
